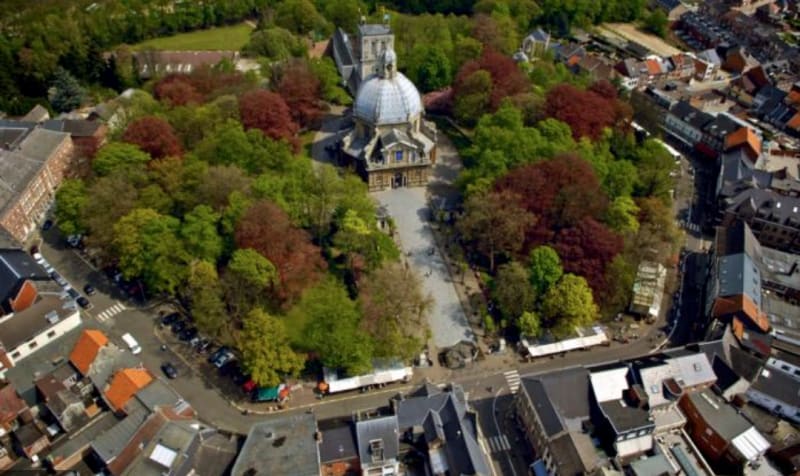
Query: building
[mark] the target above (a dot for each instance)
(726, 438)
(11, 407)
(378, 443)
(33, 162)
(553, 411)
(20, 278)
(338, 452)
(777, 389)
(87, 136)
(686, 123)
(390, 144)
(282, 445)
(442, 426)
(124, 385)
(648, 289)
(151, 63)
(68, 398)
(707, 64)
(536, 43)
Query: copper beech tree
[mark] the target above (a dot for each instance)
(269, 113)
(154, 136)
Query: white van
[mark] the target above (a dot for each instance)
(132, 344)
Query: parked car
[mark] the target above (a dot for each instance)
(214, 355)
(73, 293)
(47, 225)
(238, 376)
(89, 290)
(224, 358)
(249, 386)
(130, 341)
(278, 393)
(188, 334)
(229, 368)
(169, 370)
(58, 278)
(195, 341)
(170, 319)
(83, 302)
(203, 345)
(178, 326)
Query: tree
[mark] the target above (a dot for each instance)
(268, 112)
(71, 201)
(299, 16)
(330, 84)
(300, 88)
(147, 246)
(512, 291)
(654, 165)
(656, 22)
(326, 321)
(116, 156)
(355, 237)
(545, 269)
(204, 292)
(620, 276)
(267, 229)
(249, 281)
(586, 249)
(176, 90)
(276, 44)
(529, 324)
(621, 215)
(66, 92)
(496, 31)
(266, 353)
(569, 304)
(495, 223)
(344, 13)
(472, 98)
(200, 234)
(429, 67)
(395, 311)
(586, 112)
(506, 80)
(154, 136)
(218, 183)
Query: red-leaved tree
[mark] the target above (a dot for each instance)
(587, 112)
(177, 90)
(268, 112)
(586, 249)
(154, 136)
(507, 78)
(266, 228)
(300, 88)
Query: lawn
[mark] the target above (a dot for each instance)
(222, 38)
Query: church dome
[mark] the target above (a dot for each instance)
(387, 99)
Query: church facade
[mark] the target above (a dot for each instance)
(390, 144)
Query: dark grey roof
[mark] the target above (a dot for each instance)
(211, 452)
(74, 127)
(372, 29)
(547, 413)
(726, 377)
(383, 429)
(28, 434)
(78, 441)
(43, 361)
(37, 114)
(652, 465)
(561, 398)
(176, 435)
(16, 171)
(285, 445)
(767, 205)
(15, 267)
(338, 444)
(739, 274)
(624, 417)
(691, 115)
(720, 126)
(538, 35)
(158, 394)
(745, 364)
(46, 312)
(778, 385)
(719, 415)
(11, 136)
(41, 143)
(111, 442)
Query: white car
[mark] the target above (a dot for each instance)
(132, 344)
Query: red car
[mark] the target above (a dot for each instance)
(249, 386)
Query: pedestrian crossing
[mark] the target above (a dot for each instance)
(111, 312)
(499, 443)
(513, 380)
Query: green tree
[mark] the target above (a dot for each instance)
(569, 304)
(66, 93)
(621, 178)
(429, 67)
(248, 280)
(204, 292)
(545, 269)
(200, 234)
(148, 247)
(529, 324)
(299, 16)
(395, 310)
(277, 44)
(330, 83)
(495, 224)
(620, 275)
(71, 201)
(328, 322)
(266, 352)
(344, 13)
(654, 164)
(474, 97)
(656, 22)
(512, 291)
(621, 215)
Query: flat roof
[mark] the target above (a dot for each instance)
(285, 445)
(45, 313)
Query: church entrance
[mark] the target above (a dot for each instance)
(399, 180)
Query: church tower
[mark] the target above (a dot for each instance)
(373, 40)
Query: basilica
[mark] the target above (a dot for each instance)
(389, 144)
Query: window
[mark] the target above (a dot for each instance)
(33, 345)
(15, 355)
(51, 334)
(398, 156)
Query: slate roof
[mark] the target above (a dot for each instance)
(285, 445)
(720, 416)
(15, 267)
(383, 429)
(74, 127)
(32, 321)
(40, 144)
(108, 444)
(778, 385)
(158, 394)
(726, 377)
(691, 115)
(210, 452)
(765, 203)
(560, 398)
(720, 126)
(338, 444)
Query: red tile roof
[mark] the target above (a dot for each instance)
(125, 384)
(653, 68)
(10, 404)
(89, 344)
(25, 297)
(744, 137)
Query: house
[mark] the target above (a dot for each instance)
(33, 162)
(619, 413)
(707, 64)
(285, 445)
(442, 426)
(716, 132)
(682, 66)
(338, 452)
(20, 277)
(378, 444)
(124, 385)
(772, 217)
(37, 114)
(633, 73)
(553, 411)
(89, 344)
(747, 139)
(664, 381)
(686, 123)
(153, 63)
(725, 438)
(536, 43)
(648, 289)
(30, 440)
(67, 397)
(87, 136)
(25, 332)
(737, 60)
(777, 389)
(11, 407)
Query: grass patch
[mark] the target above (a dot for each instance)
(220, 38)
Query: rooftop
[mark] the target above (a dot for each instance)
(378, 439)
(108, 444)
(719, 415)
(125, 384)
(45, 313)
(373, 29)
(16, 266)
(86, 349)
(338, 444)
(285, 445)
(779, 385)
(561, 398)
